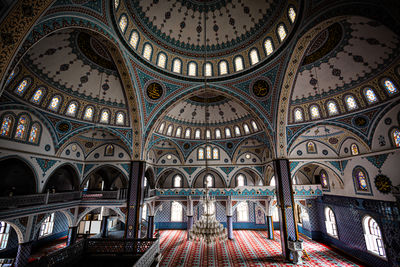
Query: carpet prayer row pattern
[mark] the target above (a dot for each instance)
(249, 248)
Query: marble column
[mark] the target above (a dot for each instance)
(189, 213)
(150, 226)
(270, 225)
(285, 202)
(72, 235)
(23, 254)
(229, 218)
(104, 227)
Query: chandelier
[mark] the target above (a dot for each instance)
(207, 229)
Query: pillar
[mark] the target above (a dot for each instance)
(270, 225)
(23, 254)
(104, 227)
(135, 199)
(72, 235)
(285, 201)
(189, 224)
(189, 213)
(150, 226)
(229, 218)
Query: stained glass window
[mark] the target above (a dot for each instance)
(9, 79)
(177, 181)
(311, 147)
(254, 59)
(176, 212)
(227, 132)
(123, 22)
(354, 149)
(254, 125)
(162, 60)
(390, 87)
(54, 103)
(395, 135)
(4, 234)
(188, 133)
(200, 153)
(34, 134)
(37, 96)
(240, 180)
(116, 4)
(192, 69)
(147, 51)
(268, 46)
(6, 126)
(178, 132)
(208, 134)
(298, 115)
(370, 95)
(238, 63)
(215, 153)
(109, 150)
(314, 110)
(161, 129)
(88, 113)
(361, 180)
(170, 129)
(223, 68)
(134, 39)
(21, 127)
(373, 236)
(351, 102)
(246, 128)
(120, 120)
(324, 179)
(208, 69)
(197, 134)
(217, 133)
(292, 14)
(209, 181)
(176, 66)
(237, 131)
(281, 32)
(72, 108)
(332, 108)
(22, 87)
(105, 116)
(208, 152)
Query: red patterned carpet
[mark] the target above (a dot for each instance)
(250, 248)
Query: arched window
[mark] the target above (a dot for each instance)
(223, 67)
(227, 132)
(330, 222)
(324, 179)
(370, 95)
(360, 178)
(147, 51)
(351, 103)
(37, 96)
(88, 115)
(246, 128)
(217, 134)
(177, 65)
(4, 234)
(298, 115)
(254, 125)
(208, 134)
(6, 126)
(281, 32)
(268, 46)
(120, 119)
(200, 153)
(215, 153)
(55, 103)
(242, 212)
(161, 128)
(188, 133)
(123, 22)
(373, 236)
(332, 108)
(178, 132)
(109, 150)
(395, 136)
(170, 129)
(254, 58)
(11, 77)
(134, 39)
(144, 212)
(21, 88)
(116, 4)
(176, 212)
(47, 226)
(208, 152)
(240, 180)
(314, 111)
(389, 86)
(237, 131)
(162, 60)
(311, 147)
(209, 181)
(72, 108)
(34, 133)
(272, 182)
(105, 116)
(192, 69)
(292, 14)
(354, 149)
(208, 69)
(197, 134)
(178, 181)
(238, 63)
(22, 127)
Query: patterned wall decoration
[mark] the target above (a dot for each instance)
(45, 164)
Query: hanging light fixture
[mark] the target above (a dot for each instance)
(207, 229)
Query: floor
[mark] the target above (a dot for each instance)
(249, 248)
(48, 248)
